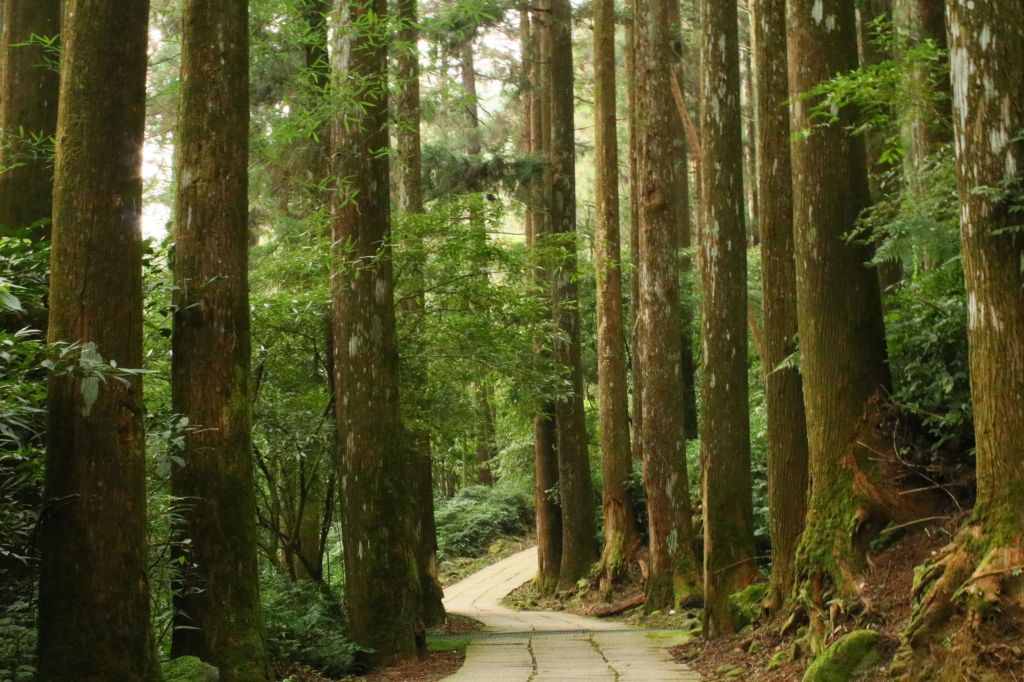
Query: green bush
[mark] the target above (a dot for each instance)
(476, 516)
(305, 626)
(926, 323)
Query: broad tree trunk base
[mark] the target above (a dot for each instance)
(973, 584)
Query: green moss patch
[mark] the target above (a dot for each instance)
(189, 669)
(845, 658)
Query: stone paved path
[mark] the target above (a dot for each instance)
(546, 646)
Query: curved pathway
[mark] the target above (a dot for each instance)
(548, 646)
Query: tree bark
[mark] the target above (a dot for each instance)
(674, 573)
(978, 575)
(749, 125)
(923, 132)
(28, 109)
(613, 409)
(787, 424)
(681, 198)
(549, 510)
(383, 600)
(468, 69)
(217, 608)
(94, 603)
(634, 230)
(579, 550)
(410, 202)
(729, 555)
(842, 339)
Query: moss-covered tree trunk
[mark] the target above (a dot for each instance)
(613, 410)
(575, 487)
(93, 583)
(979, 575)
(29, 90)
(842, 340)
(674, 574)
(217, 607)
(410, 202)
(729, 563)
(549, 511)
(382, 590)
(787, 425)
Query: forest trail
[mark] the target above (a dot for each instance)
(547, 646)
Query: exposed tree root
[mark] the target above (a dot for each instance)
(974, 586)
(845, 517)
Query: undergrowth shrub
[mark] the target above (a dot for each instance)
(305, 626)
(469, 522)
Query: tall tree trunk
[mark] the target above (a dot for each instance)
(217, 609)
(467, 67)
(579, 550)
(485, 443)
(613, 410)
(729, 563)
(93, 582)
(681, 198)
(549, 510)
(787, 425)
(634, 229)
(924, 131)
(410, 202)
(842, 339)
(28, 109)
(749, 124)
(978, 575)
(382, 577)
(871, 53)
(674, 573)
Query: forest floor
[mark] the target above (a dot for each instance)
(887, 589)
(887, 592)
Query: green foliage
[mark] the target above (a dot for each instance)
(476, 516)
(926, 323)
(305, 625)
(882, 93)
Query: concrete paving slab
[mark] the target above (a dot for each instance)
(588, 649)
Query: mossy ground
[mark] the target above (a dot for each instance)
(764, 654)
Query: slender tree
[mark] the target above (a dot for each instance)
(382, 578)
(634, 229)
(978, 574)
(923, 130)
(29, 88)
(93, 588)
(729, 562)
(674, 572)
(842, 340)
(613, 415)
(549, 511)
(680, 194)
(575, 486)
(217, 606)
(410, 203)
(787, 426)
